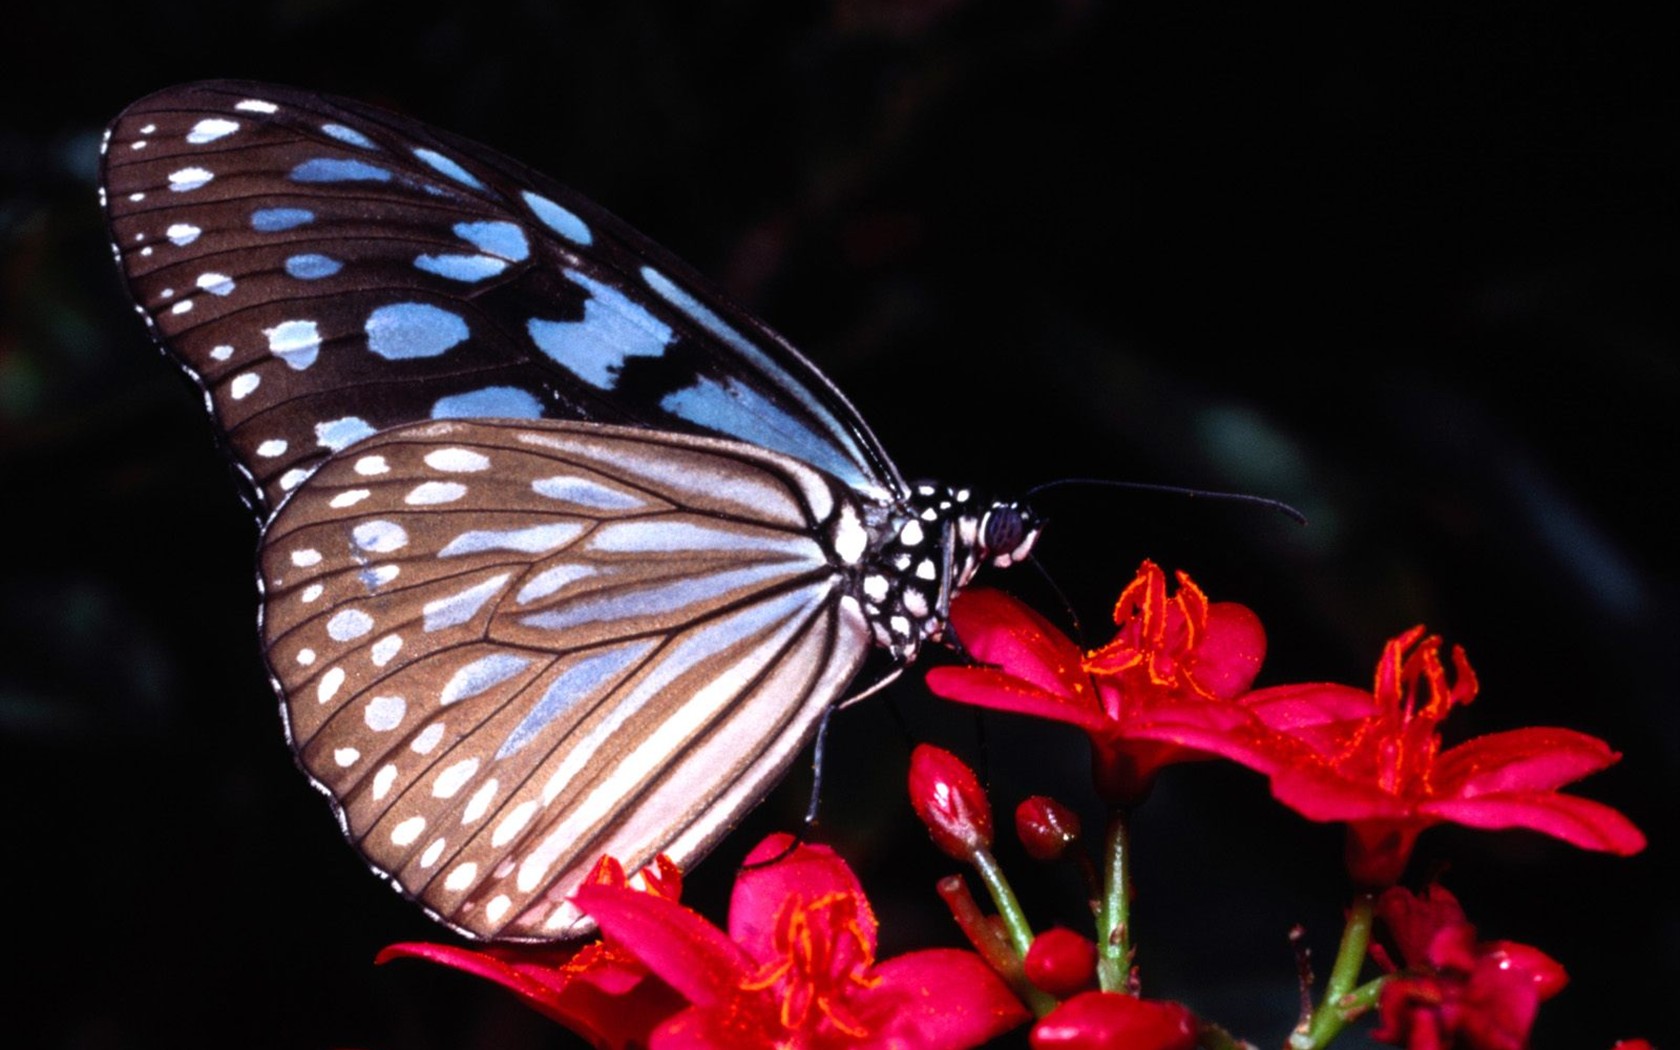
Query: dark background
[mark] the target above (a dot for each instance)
(1411, 272)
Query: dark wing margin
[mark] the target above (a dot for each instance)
(504, 650)
(325, 270)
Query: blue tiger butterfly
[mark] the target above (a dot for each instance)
(562, 553)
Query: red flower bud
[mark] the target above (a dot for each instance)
(948, 799)
(1093, 1020)
(1061, 962)
(1045, 827)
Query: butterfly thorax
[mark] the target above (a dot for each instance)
(928, 547)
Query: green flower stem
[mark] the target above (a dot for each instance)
(1009, 909)
(1020, 933)
(1343, 999)
(1213, 1037)
(1114, 940)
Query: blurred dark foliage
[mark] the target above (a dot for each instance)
(1410, 271)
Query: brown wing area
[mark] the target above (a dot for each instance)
(505, 650)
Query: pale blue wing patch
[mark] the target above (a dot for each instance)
(399, 331)
(558, 219)
(491, 402)
(274, 220)
(339, 169)
(614, 328)
(312, 266)
(448, 166)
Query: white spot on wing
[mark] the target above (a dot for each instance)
(512, 824)
(383, 780)
(348, 624)
(306, 557)
(454, 778)
(851, 539)
(189, 179)
(210, 129)
(348, 498)
(459, 608)
(369, 466)
(380, 537)
(385, 713)
(584, 493)
(256, 105)
(457, 460)
(550, 580)
(428, 739)
(535, 539)
(297, 343)
(405, 833)
(479, 804)
(384, 649)
(461, 877)
(483, 673)
(346, 757)
(430, 493)
(330, 683)
(243, 384)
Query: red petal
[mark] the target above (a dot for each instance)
(1577, 821)
(808, 871)
(1230, 655)
(939, 999)
(999, 631)
(1323, 795)
(1288, 708)
(613, 1004)
(989, 687)
(1105, 1019)
(1536, 759)
(689, 953)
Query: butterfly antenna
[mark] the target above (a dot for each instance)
(1173, 490)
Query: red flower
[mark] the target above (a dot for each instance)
(1061, 962)
(948, 798)
(599, 991)
(1383, 771)
(1094, 1020)
(1457, 991)
(1046, 828)
(1159, 693)
(797, 967)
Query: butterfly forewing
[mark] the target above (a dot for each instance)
(327, 270)
(505, 650)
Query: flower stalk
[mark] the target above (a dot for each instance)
(1114, 942)
(1340, 1004)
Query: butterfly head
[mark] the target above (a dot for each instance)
(1008, 532)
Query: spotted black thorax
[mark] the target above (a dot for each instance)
(925, 551)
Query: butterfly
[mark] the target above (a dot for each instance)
(563, 553)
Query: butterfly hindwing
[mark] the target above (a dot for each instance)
(327, 270)
(505, 650)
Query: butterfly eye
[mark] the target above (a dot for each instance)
(1008, 533)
